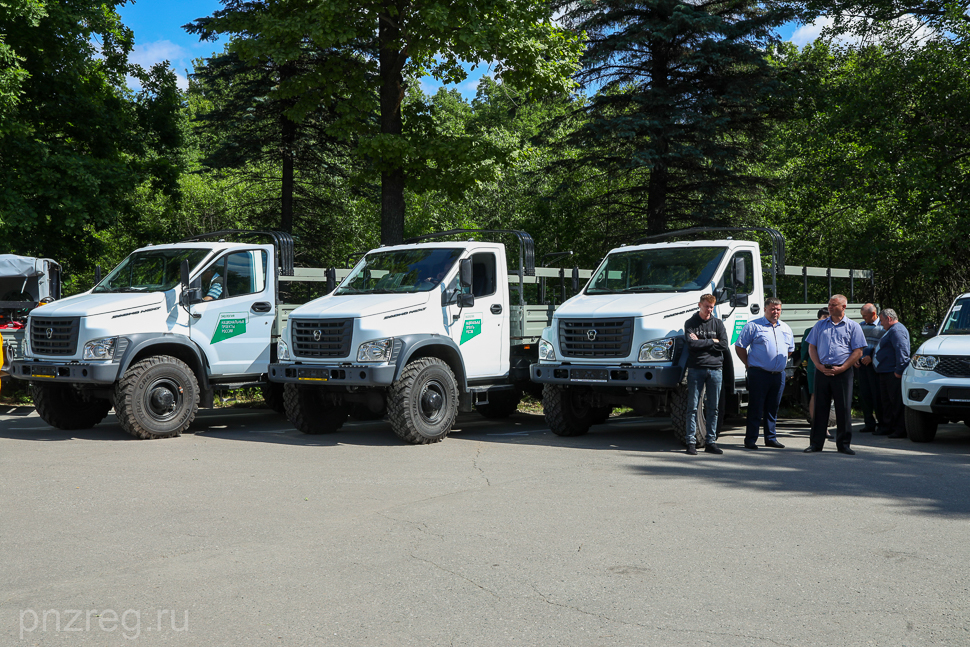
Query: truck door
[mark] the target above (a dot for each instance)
(740, 266)
(237, 313)
(483, 330)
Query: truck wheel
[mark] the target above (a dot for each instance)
(423, 403)
(501, 404)
(61, 406)
(920, 426)
(273, 396)
(678, 416)
(157, 397)
(310, 411)
(567, 413)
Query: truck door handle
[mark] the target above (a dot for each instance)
(261, 306)
(496, 308)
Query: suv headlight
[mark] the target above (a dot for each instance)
(925, 362)
(546, 350)
(657, 350)
(100, 348)
(282, 350)
(377, 350)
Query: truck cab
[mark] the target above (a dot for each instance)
(418, 331)
(164, 330)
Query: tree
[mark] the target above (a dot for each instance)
(400, 41)
(77, 142)
(245, 125)
(681, 104)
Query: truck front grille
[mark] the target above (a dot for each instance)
(954, 366)
(595, 337)
(321, 338)
(54, 335)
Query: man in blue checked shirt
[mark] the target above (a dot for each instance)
(834, 346)
(764, 347)
(211, 278)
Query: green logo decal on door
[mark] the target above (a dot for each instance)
(471, 328)
(738, 327)
(230, 324)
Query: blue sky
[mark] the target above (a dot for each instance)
(159, 36)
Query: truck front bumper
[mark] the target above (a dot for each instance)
(67, 373)
(933, 393)
(658, 377)
(332, 375)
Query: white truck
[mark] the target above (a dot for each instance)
(25, 283)
(936, 383)
(621, 341)
(155, 341)
(420, 331)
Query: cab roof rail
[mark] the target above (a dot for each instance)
(281, 240)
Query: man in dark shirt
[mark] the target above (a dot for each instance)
(706, 344)
(866, 372)
(890, 359)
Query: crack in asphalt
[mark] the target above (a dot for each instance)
(478, 452)
(470, 581)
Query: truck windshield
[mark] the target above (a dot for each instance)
(154, 270)
(673, 269)
(410, 270)
(958, 323)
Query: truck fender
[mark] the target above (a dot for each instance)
(142, 345)
(444, 348)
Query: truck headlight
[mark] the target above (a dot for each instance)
(282, 351)
(925, 362)
(546, 350)
(657, 350)
(100, 348)
(377, 350)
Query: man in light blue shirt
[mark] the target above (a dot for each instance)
(763, 347)
(834, 346)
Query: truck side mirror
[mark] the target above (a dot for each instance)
(739, 300)
(575, 280)
(929, 329)
(190, 294)
(465, 273)
(97, 274)
(738, 274)
(466, 300)
(331, 279)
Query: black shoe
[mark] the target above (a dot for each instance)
(811, 450)
(712, 448)
(692, 449)
(846, 450)
(829, 436)
(897, 434)
(750, 446)
(881, 432)
(774, 443)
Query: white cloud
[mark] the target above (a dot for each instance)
(149, 54)
(806, 34)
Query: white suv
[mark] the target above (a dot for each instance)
(936, 383)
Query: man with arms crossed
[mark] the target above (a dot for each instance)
(771, 342)
(834, 346)
(706, 343)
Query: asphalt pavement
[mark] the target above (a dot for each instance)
(250, 533)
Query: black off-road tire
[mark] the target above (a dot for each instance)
(566, 412)
(273, 396)
(142, 398)
(308, 408)
(61, 406)
(679, 413)
(423, 403)
(920, 426)
(501, 404)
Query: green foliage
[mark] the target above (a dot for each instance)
(77, 142)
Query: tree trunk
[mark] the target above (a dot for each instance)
(287, 139)
(392, 92)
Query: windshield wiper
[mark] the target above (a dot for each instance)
(643, 288)
(601, 291)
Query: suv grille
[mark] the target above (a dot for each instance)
(954, 366)
(322, 338)
(54, 336)
(595, 337)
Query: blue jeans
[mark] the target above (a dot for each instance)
(764, 397)
(696, 379)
